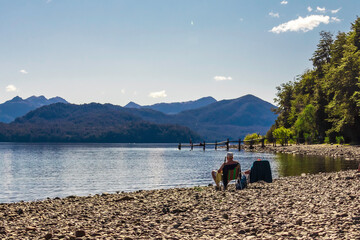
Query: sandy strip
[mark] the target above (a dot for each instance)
(321, 206)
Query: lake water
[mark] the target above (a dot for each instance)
(37, 171)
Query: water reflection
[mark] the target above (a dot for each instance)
(6, 177)
(293, 165)
(36, 171)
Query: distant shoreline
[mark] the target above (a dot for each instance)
(312, 206)
(349, 152)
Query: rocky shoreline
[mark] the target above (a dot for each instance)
(344, 151)
(321, 206)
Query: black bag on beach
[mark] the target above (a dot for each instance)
(241, 183)
(261, 171)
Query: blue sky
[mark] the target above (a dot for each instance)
(160, 51)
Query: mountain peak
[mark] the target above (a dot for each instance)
(176, 107)
(250, 97)
(18, 107)
(57, 100)
(132, 105)
(209, 98)
(16, 99)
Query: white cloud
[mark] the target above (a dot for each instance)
(241, 19)
(11, 88)
(222, 78)
(23, 71)
(301, 24)
(319, 9)
(122, 91)
(192, 22)
(275, 15)
(309, 9)
(335, 19)
(160, 94)
(335, 11)
(284, 2)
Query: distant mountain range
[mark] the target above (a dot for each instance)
(219, 120)
(93, 122)
(176, 107)
(18, 107)
(233, 118)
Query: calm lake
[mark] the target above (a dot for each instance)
(37, 171)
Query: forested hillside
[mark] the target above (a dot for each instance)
(233, 118)
(90, 123)
(323, 104)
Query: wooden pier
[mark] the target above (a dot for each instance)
(252, 142)
(226, 144)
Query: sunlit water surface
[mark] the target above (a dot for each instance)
(37, 171)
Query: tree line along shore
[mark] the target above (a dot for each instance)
(323, 103)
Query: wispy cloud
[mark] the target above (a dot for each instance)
(222, 78)
(309, 9)
(319, 9)
(284, 2)
(192, 23)
(23, 71)
(301, 24)
(335, 19)
(11, 88)
(275, 15)
(160, 94)
(122, 91)
(335, 11)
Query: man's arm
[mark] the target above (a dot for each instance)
(221, 168)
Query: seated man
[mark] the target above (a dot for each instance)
(227, 165)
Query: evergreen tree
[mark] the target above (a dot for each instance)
(331, 90)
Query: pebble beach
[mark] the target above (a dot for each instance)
(320, 206)
(337, 151)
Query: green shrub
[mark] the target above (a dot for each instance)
(252, 136)
(327, 140)
(340, 140)
(292, 141)
(281, 134)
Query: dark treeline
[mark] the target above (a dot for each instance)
(323, 104)
(89, 123)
